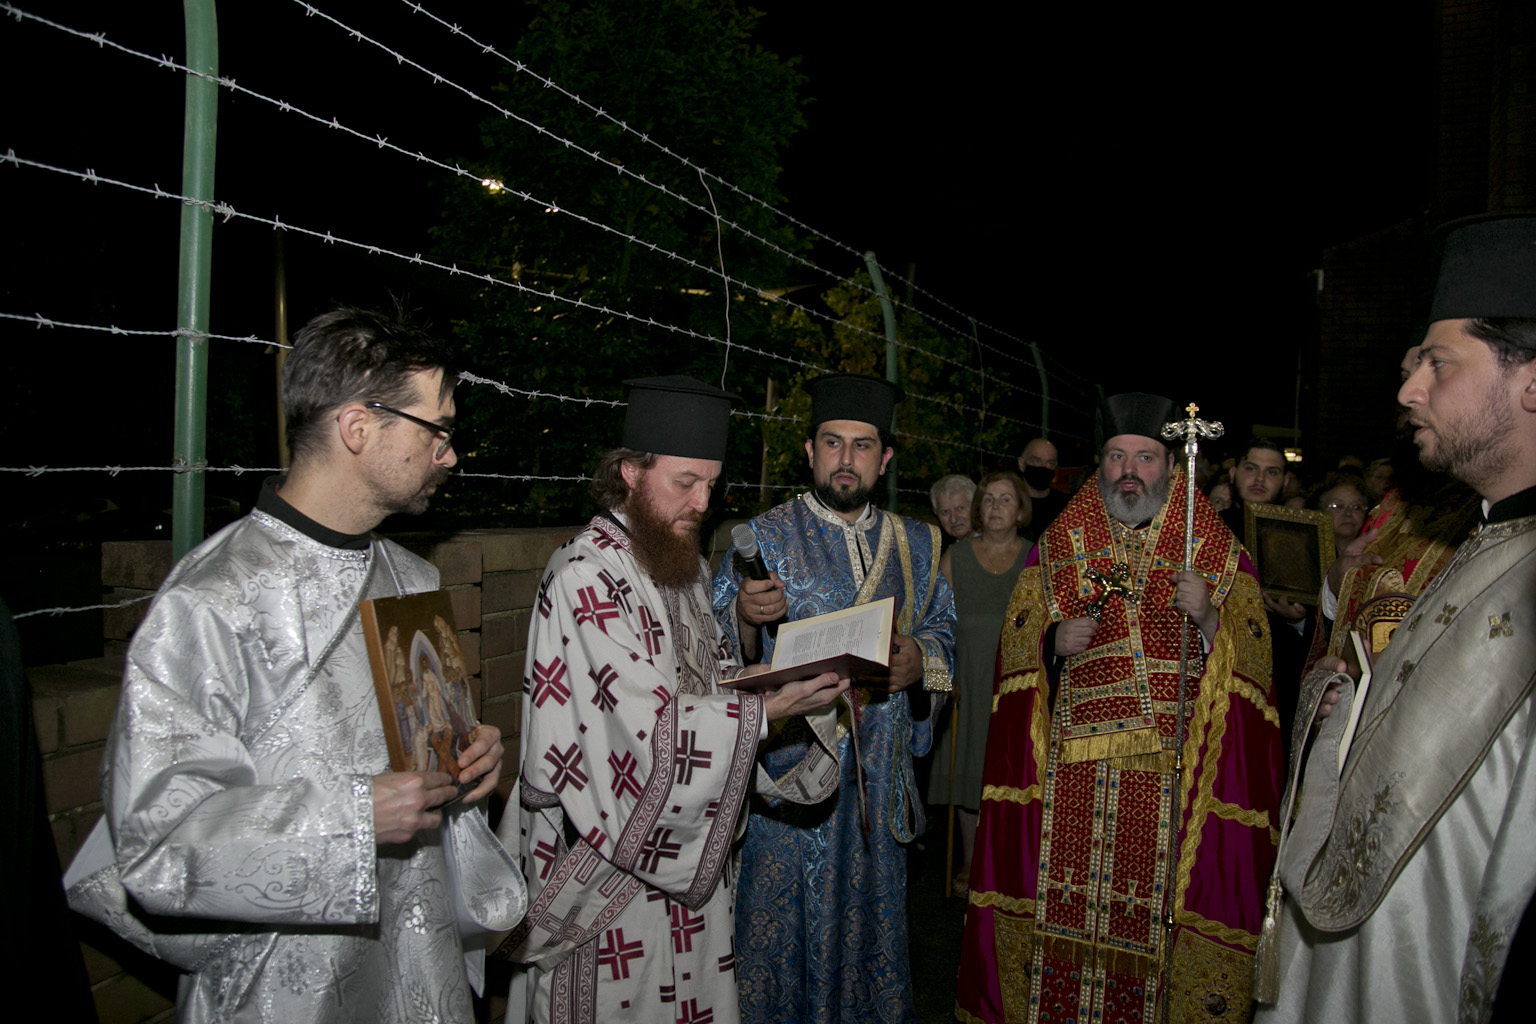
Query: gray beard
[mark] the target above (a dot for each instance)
(1133, 510)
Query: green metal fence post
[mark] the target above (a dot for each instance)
(890, 356)
(198, 143)
(1045, 392)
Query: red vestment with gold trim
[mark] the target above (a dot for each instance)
(1066, 907)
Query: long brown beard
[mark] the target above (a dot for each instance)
(670, 560)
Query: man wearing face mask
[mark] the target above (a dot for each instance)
(1038, 467)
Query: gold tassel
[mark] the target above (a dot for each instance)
(1266, 959)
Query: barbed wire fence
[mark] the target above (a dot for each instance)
(995, 370)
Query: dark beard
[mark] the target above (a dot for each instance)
(670, 560)
(843, 501)
(1137, 510)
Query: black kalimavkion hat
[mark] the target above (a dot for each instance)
(1132, 413)
(853, 396)
(677, 416)
(1487, 268)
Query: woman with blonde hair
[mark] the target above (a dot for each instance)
(982, 570)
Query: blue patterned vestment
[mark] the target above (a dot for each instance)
(821, 918)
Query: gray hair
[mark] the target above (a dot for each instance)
(952, 484)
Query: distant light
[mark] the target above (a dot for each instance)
(551, 209)
(492, 184)
(1293, 455)
(695, 291)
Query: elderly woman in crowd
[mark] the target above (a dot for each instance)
(951, 497)
(1344, 498)
(982, 570)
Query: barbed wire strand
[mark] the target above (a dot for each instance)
(382, 142)
(703, 173)
(82, 608)
(546, 204)
(228, 212)
(439, 79)
(42, 321)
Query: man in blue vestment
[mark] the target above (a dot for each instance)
(821, 928)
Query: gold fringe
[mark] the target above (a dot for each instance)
(1217, 930)
(1009, 904)
(1266, 958)
(1241, 815)
(1080, 954)
(1010, 794)
(1243, 688)
(1017, 683)
(962, 1015)
(1122, 743)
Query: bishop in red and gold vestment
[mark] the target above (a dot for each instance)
(1067, 902)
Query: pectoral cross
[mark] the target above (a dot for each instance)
(1116, 581)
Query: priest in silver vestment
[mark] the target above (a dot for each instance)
(1408, 871)
(254, 835)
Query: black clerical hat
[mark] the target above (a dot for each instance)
(1487, 268)
(678, 416)
(853, 396)
(1132, 413)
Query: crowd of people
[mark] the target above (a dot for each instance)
(1180, 793)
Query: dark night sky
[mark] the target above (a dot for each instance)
(1143, 195)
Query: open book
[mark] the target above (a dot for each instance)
(851, 642)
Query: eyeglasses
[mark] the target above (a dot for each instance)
(436, 428)
(1335, 507)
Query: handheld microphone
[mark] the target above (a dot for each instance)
(746, 550)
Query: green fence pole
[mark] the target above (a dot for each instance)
(1045, 392)
(199, 137)
(890, 357)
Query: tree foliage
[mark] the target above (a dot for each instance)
(687, 74)
(585, 307)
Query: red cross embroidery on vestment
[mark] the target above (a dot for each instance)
(615, 953)
(688, 756)
(594, 611)
(619, 589)
(690, 1013)
(545, 853)
(604, 678)
(547, 682)
(567, 767)
(651, 631)
(659, 845)
(624, 782)
(684, 928)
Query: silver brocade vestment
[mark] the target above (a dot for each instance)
(1406, 877)
(239, 797)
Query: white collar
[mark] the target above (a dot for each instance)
(866, 519)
